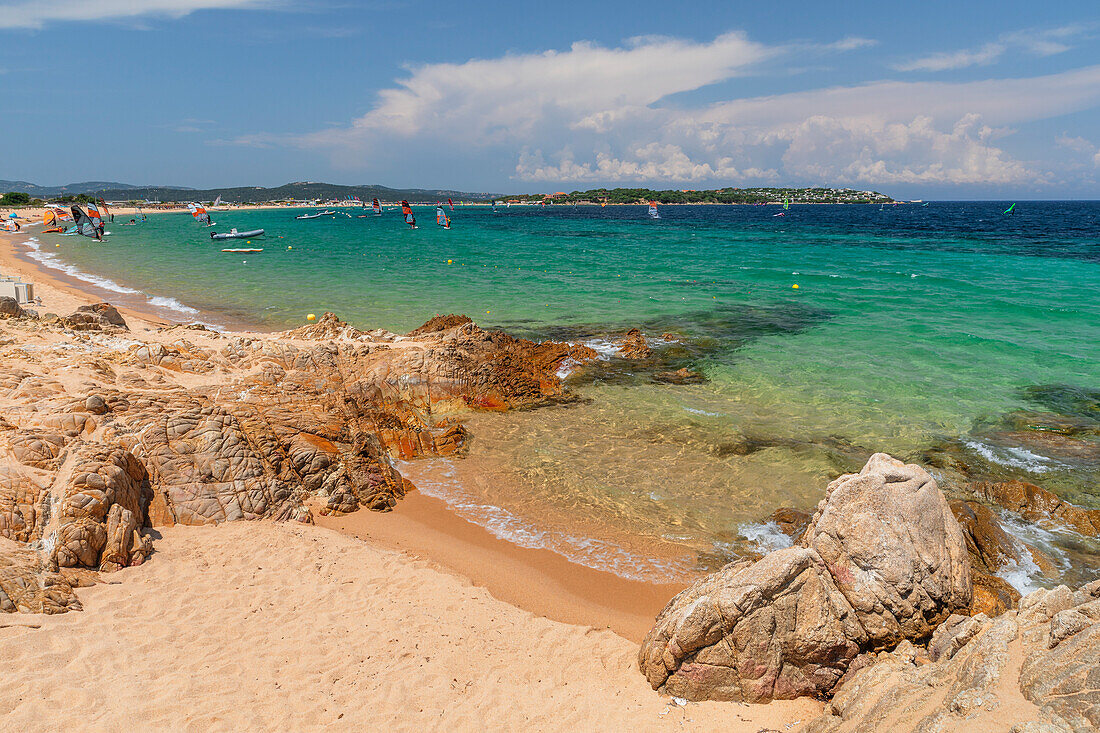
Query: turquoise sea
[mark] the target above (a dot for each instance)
(949, 333)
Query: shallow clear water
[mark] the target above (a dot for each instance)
(914, 329)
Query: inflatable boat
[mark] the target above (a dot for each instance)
(234, 234)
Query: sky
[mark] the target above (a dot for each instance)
(950, 100)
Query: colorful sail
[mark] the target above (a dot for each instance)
(85, 224)
(786, 204)
(54, 215)
(653, 210)
(199, 213)
(408, 212)
(451, 204)
(105, 213)
(1010, 209)
(377, 206)
(441, 217)
(95, 216)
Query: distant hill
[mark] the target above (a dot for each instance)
(302, 190)
(72, 189)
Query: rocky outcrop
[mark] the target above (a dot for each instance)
(95, 318)
(882, 561)
(1034, 669)
(1039, 505)
(27, 586)
(10, 308)
(440, 323)
(634, 345)
(211, 428)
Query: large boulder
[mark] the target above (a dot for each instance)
(882, 561)
(894, 549)
(95, 317)
(9, 307)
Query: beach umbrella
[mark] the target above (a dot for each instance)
(13, 215)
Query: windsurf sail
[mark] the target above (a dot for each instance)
(105, 213)
(1010, 209)
(199, 213)
(95, 215)
(441, 217)
(451, 204)
(408, 212)
(53, 216)
(653, 210)
(786, 204)
(217, 202)
(377, 206)
(495, 204)
(85, 224)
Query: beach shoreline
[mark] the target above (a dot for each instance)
(540, 581)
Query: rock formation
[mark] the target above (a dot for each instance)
(634, 346)
(882, 561)
(104, 433)
(1035, 669)
(1039, 505)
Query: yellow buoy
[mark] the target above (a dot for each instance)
(311, 317)
(448, 262)
(795, 286)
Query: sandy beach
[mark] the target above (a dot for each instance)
(414, 618)
(261, 626)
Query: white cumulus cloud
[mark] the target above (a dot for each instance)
(619, 115)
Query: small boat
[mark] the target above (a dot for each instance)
(243, 249)
(234, 234)
(318, 215)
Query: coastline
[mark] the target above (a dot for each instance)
(540, 581)
(399, 607)
(62, 292)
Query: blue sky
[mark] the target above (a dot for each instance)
(932, 99)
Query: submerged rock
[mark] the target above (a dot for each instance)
(680, 376)
(1039, 505)
(882, 561)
